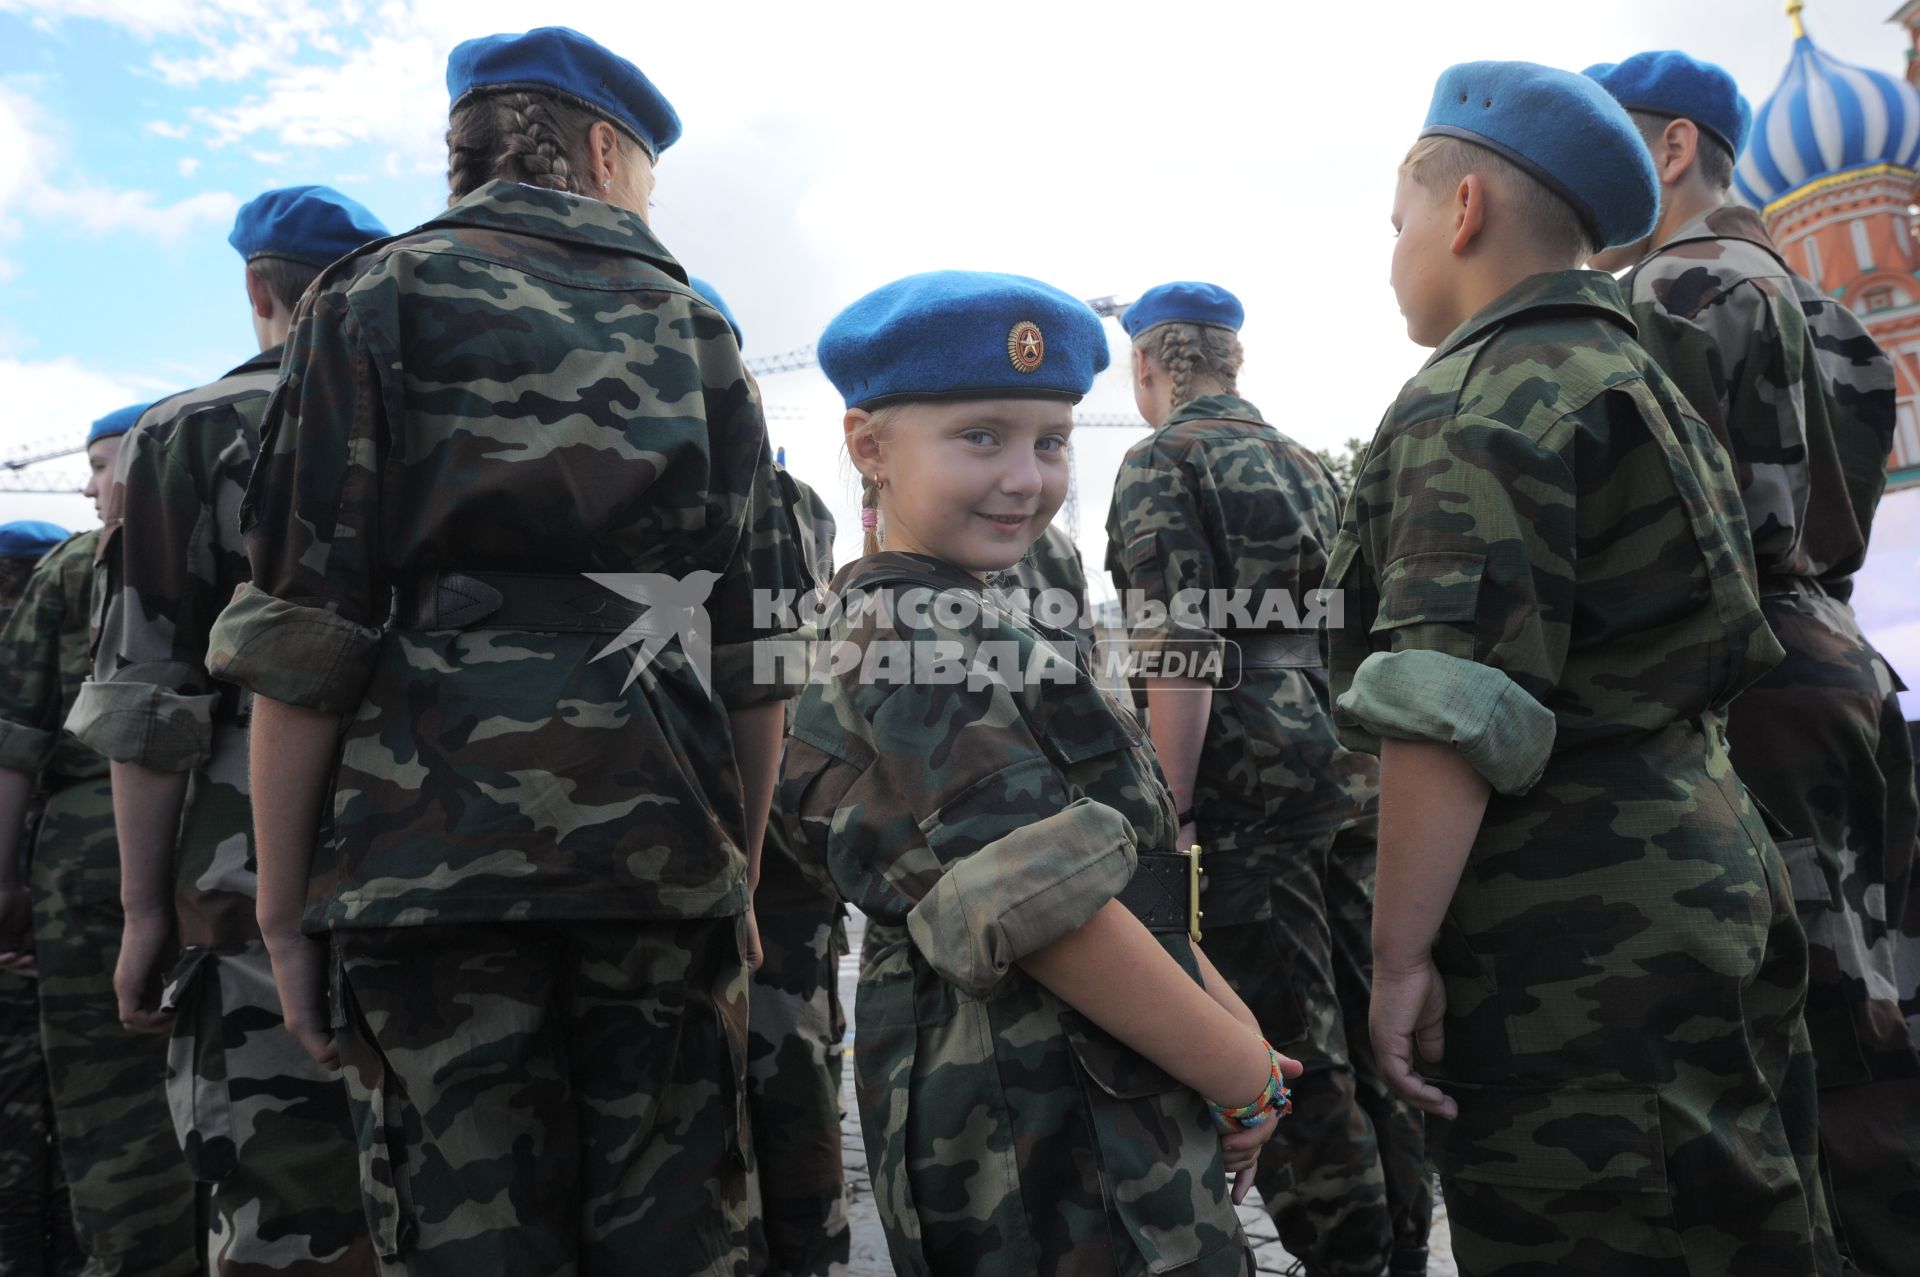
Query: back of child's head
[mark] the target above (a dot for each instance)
(1191, 331)
(1566, 155)
(1439, 164)
(1660, 87)
(521, 106)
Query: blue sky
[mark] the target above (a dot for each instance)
(1102, 145)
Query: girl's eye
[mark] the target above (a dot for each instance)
(983, 438)
(1051, 443)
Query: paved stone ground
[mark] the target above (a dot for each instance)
(870, 1246)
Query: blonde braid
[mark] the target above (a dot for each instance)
(1195, 356)
(521, 136)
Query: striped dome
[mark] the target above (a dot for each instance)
(1826, 117)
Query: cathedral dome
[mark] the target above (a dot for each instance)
(1826, 117)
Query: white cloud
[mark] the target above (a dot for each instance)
(161, 128)
(103, 210)
(188, 166)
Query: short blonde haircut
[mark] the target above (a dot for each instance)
(1440, 164)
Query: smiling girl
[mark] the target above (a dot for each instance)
(1035, 1030)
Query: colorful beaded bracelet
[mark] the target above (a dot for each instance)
(1274, 1101)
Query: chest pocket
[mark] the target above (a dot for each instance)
(1103, 755)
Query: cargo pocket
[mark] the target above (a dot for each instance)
(1513, 1149)
(379, 1123)
(1160, 1165)
(197, 1067)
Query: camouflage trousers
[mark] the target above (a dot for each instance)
(36, 1222)
(794, 1067)
(261, 1124)
(549, 1098)
(1821, 744)
(1625, 975)
(1345, 1177)
(134, 1203)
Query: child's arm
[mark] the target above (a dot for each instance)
(1112, 970)
(1431, 802)
(1177, 713)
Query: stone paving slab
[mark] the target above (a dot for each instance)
(870, 1245)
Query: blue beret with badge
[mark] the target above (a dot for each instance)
(719, 303)
(29, 538)
(1184, 302)
(961, 334)
(1561, 128)
(1672, 83)
(117, 422)
(313, 225)
(561, 60)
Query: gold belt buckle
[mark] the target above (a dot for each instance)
(1193, 892)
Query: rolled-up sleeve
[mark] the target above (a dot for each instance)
(1022, 892)
(1473, 524)
(150, 701)
(1505, 735)
(306, 656)
(307, 629)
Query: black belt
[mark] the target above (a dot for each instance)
(1164, 892)
(1284, 650)
(556, 602)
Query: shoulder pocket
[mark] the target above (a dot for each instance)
(1421, 589)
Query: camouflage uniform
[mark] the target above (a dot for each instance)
(534, 873)
(974, 822)
(260, 1122)
(133, 1202)
(1803, 399)
(1544, 564)
(795, 1023)
(1218, 500)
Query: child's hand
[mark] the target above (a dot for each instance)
(1242, 1152)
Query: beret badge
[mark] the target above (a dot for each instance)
(1026, 347)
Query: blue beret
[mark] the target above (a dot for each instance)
(1564, 130)
(1671, 83)
(314, 225)
(29, 538)
(1184, 302)
(561, 60)
(719, 303)
(962, 334)
(117, 422)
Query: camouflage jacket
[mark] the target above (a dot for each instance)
(43, 649)
(1218, 501)
(1491, 599)
(1053, 563)
(1788, 379)
(975, 820)
(171, 557)
(522, 384)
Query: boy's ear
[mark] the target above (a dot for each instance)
(1469, 213)
(259, 296)
(1679, 143)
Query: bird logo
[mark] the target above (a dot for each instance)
(670, 607)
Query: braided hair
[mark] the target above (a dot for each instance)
(1197, 358)
(522, 136)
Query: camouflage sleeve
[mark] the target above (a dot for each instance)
(1471, 526)
(30, 654)
(150, 701)
(305, 631)
(1738, 361)
(1011, 860)
(767, 566)
(1156, 548)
